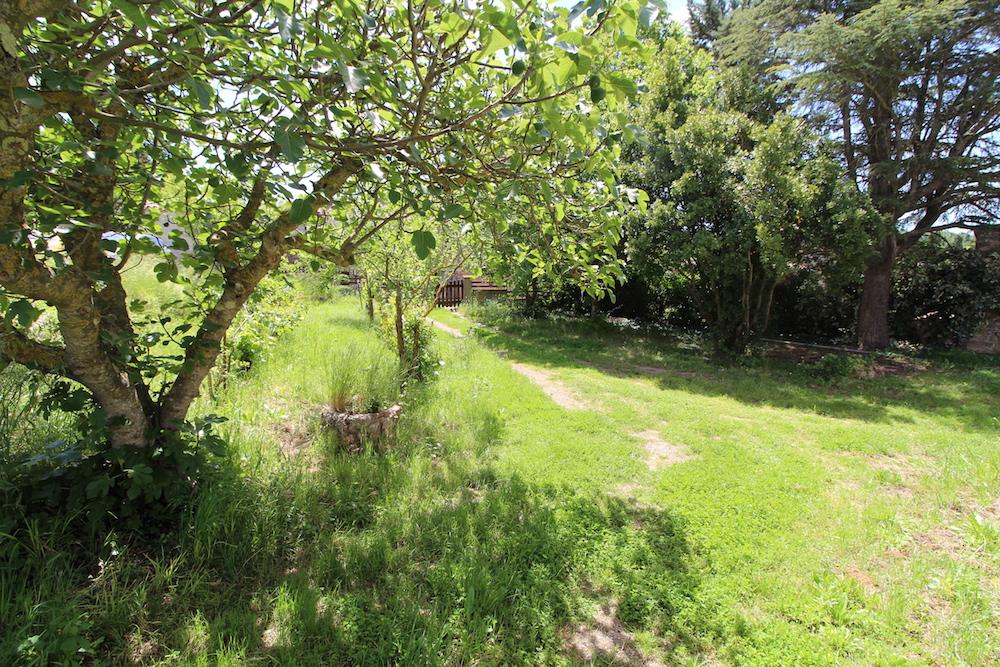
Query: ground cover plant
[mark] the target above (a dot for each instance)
(750, 513)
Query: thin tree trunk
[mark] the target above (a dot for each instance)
(873, 311)
(369, 301)
(400, 339)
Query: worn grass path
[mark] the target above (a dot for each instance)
(847, 522)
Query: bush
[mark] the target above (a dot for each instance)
(138, 489)
(942, 291)
(491, 312)
(834, 366)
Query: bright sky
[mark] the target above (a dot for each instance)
(678, 10)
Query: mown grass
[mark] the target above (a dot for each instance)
(852, 522)
(419, 554)
(849, 521)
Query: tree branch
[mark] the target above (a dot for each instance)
(17, 347)
(240, 283)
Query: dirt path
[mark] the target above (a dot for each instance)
(562, 395)
(451, 331)
(659, 452)
(604, 637)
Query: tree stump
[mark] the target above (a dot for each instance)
(355, 428)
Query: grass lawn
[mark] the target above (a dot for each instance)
(558, 488)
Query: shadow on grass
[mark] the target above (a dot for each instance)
(375, 559)
(968, 394)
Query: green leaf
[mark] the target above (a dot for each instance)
(354, 78)
(288, 25)
(165, 272)
(238, 164)
(454, 26)
(291, 144)
(624, 85)
(300, 211)
(29, 97)
(17, 180)
(423, 243)
(25, 313)
(131, 12)
(495, 41)
(98, 487)
(59, 80)
(453, 211)
(202, 90)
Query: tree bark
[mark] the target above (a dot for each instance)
(400, 337)
(369, 301)
(873, 311)
(240, 282)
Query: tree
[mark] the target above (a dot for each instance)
(739, 204)
(405, 284)
(911, 88)
(707, 19)
(290, 126)
(752, 205)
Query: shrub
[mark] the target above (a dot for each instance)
(138, 489)
(942, 291)
(834, 366)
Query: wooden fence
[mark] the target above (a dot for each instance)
(452, 293)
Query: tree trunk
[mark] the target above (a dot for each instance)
(873, 311)
(400, 338)
(111, 386)
(355, 429)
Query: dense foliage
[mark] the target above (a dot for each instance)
(215, 137)
(740, 205)
(910, 89)
(943, 291)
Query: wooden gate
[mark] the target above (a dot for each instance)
(452, 293)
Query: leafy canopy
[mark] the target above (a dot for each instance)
(237, 132)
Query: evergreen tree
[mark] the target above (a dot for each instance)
(708, 18)
(909, 88)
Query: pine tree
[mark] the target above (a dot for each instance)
(910, 88)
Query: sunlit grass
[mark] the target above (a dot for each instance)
(810, 523)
